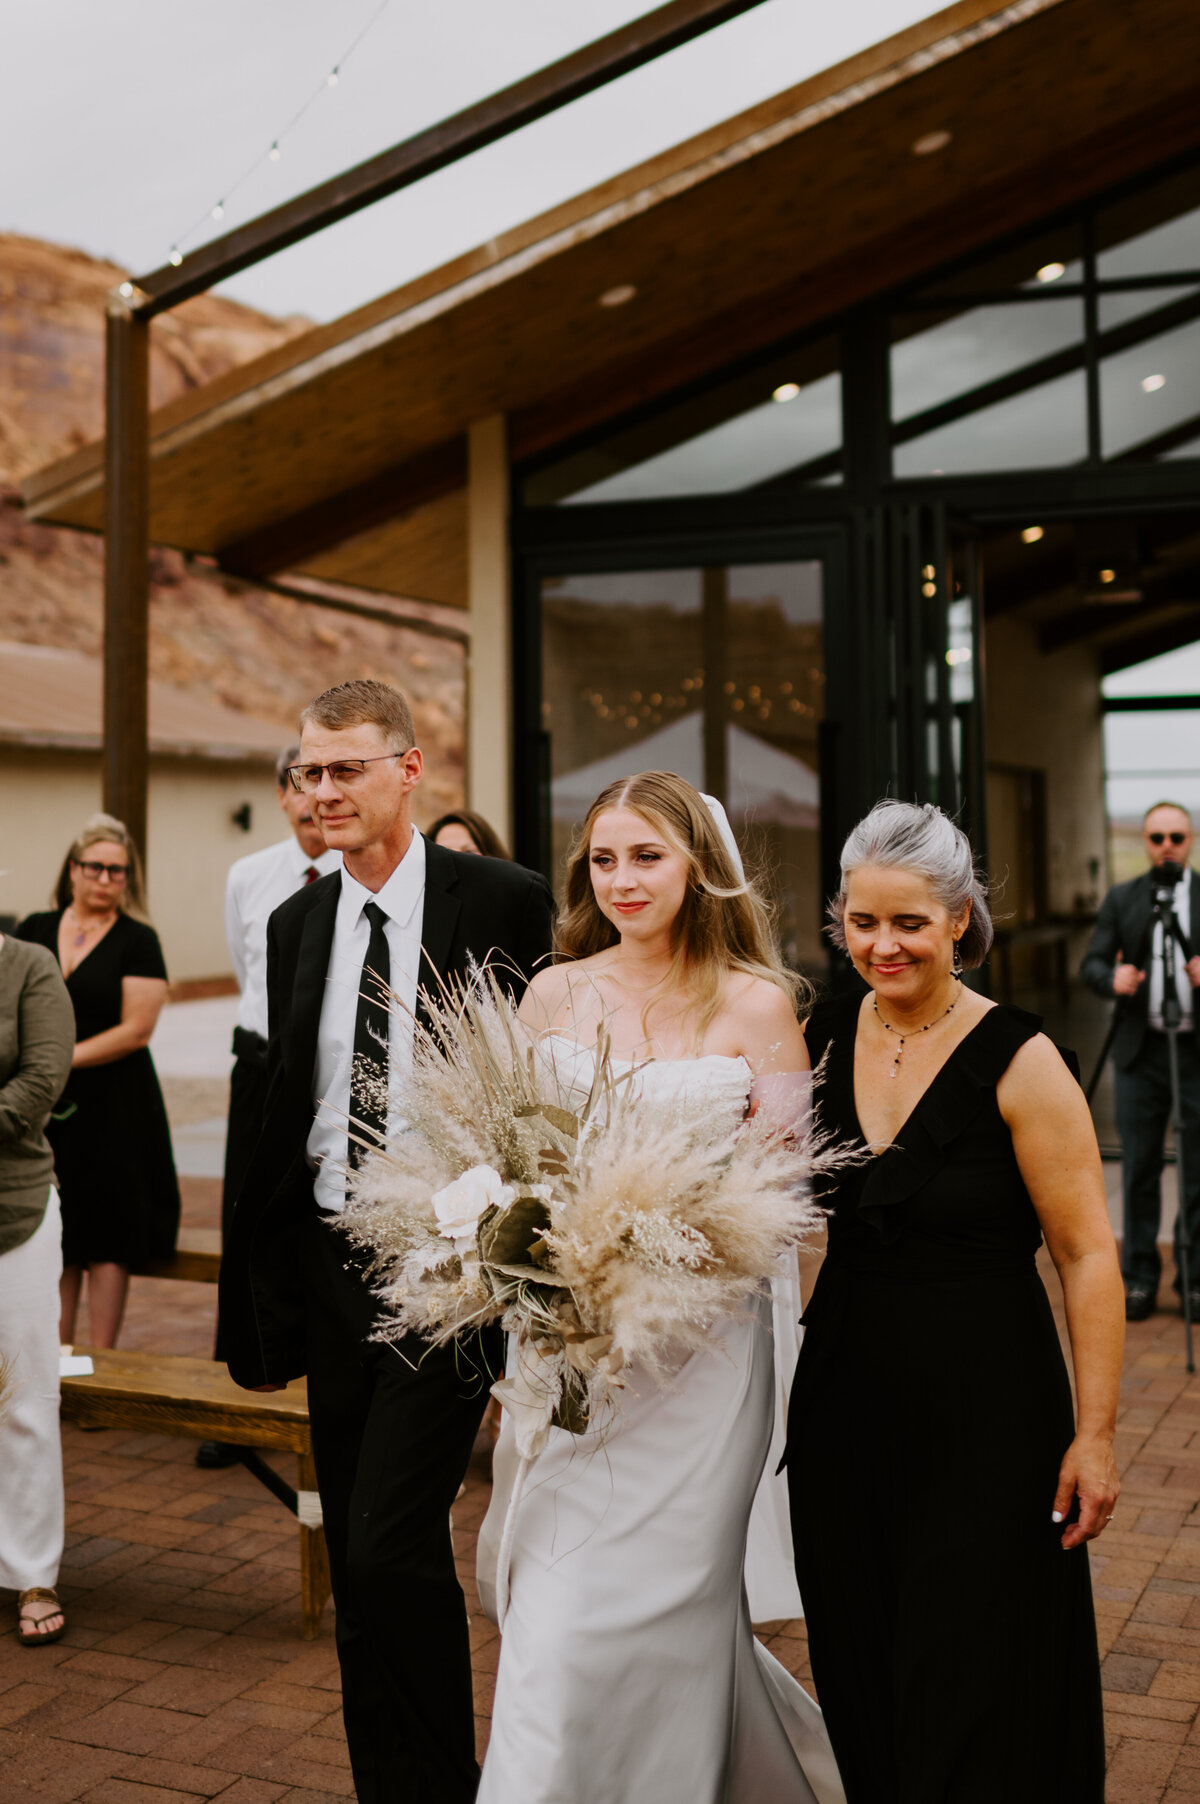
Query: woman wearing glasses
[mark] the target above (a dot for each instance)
(109, 1133)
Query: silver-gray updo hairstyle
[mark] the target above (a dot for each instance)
(909, 836)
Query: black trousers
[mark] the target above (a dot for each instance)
(247, 1096)
(1143, 1098)
(392, 1435)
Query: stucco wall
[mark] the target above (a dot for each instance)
(1043, 711)
(47, 796)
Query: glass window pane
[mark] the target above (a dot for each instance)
(780, 421)
(756, 447)
(1044, 426)
(716, 674)
(1150, 394)
(932, 363)
(1152, 233)
(1135, 303)
(1055, 252)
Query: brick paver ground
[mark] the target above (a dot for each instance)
(183, 1675)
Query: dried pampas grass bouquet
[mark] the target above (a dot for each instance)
(605, 1231)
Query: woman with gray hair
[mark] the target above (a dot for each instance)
(942, 1494)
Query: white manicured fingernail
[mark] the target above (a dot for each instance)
(1057, 1516)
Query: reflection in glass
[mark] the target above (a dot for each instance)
(1150, 392)
(933, 363)
(717, 674)
(1043, 426)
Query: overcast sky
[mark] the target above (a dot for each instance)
(124, 121)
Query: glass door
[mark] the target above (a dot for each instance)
(714, 670)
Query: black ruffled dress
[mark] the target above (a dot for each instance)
(953, 1642)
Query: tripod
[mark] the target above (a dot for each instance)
(1167, 877)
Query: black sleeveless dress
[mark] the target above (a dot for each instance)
(953, 1642)
(109, 1134)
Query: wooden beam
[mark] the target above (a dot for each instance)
(291, 542)
(489, 581)
(126, 751)
(585, 70)
(1184, 630)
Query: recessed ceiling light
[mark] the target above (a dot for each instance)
(787, 391)
(1150, 383)
(931, 142)
(1108, 576)
(1050, 272)
(1031, 534)
(617, 297)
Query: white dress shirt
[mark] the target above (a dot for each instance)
(1154, 976)
(254, 888)
(402, 900)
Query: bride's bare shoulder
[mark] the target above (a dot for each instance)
(756, 1001)
(552, 996)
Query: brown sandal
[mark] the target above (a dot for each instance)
(39, 1638)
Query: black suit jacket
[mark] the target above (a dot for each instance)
(1125, 926)
(475, 909)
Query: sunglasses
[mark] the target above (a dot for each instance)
(1176, 839)
(116, 873)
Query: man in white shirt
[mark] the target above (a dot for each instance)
(1124, 960)
(254, 888)
(392, 1426)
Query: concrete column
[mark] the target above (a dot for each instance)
(489, 668)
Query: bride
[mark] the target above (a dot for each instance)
(628, 1670)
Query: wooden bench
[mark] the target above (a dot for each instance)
(167, 1394)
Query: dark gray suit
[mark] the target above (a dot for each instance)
(1123, 933)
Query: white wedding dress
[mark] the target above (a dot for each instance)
(629, 1673)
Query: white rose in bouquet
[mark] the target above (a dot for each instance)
(459, 1206)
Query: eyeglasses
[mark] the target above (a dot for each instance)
(116, 873)
(346, 773)
(1176, 839)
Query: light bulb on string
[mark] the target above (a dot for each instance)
(274, 151)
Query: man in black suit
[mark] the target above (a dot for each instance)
(392, 1427)
(1124, 960)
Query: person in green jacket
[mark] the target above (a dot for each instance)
(37, 1038)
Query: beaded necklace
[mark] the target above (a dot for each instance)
(888, 1028)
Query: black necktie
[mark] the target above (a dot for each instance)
(368, 1082)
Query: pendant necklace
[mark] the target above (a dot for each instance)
(81, 933)
(888, 1028)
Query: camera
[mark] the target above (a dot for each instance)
(1166, 876)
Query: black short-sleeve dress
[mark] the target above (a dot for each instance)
(953, 1641)
(112, 1146)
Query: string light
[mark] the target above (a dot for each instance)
(274, 151)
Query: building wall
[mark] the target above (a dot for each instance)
(47, 796)
(1043, 712)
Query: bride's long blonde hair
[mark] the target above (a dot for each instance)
(724, 924)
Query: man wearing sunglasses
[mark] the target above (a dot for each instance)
(392, 1427)
(1124, 960)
